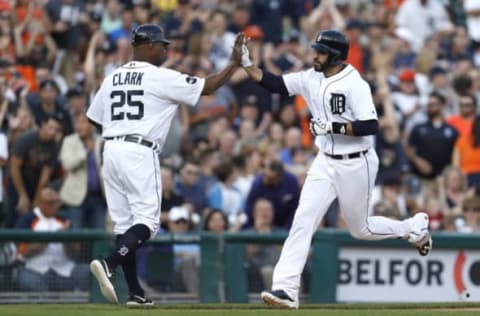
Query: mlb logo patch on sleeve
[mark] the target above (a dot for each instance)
(191, 80)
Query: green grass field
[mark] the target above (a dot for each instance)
(241, 310)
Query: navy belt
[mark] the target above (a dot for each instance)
(347, 156)
(135, 139)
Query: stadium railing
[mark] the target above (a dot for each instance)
(222, 271)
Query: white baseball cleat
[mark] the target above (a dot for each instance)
(424, 247)
(278, 298)
(104, 277)
(419, 235)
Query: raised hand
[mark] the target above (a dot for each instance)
(237, 51)
(246, 60)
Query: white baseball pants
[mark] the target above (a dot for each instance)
(133, 187)
(351, 181)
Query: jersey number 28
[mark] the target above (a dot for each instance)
(120, 98)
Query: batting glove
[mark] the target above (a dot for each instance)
(319, 128)
(246, 61)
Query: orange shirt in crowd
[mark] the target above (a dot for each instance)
(461, 124)
(469, 155)
(21, 14)
(300, 107)
(355, 56)
(393, 4)
(28, 73)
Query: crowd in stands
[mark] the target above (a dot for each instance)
(238, 159)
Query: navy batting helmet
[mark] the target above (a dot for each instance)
(334, 43)
(148, 33)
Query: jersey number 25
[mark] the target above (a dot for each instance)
(121, 98)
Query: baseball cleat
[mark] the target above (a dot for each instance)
(425, 246)
(105, 277)
(419, 235)
(278, 298)
(139, 301)
(418, 227)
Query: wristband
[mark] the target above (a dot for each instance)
(339, 128)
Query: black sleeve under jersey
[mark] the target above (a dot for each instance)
(273, 83)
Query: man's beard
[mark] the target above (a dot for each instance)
(320, 68)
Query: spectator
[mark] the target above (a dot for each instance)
(392, 160)
(288, 117)
(76, 102)
(414, 194)
(459, 46)
(463, 121)
(268, 15)
(262, 258)
(225, 196)
(216, 222)
(32, 164)
(240, 18)
(66, 18)
(276, 135)
(392, 203)
(189, 185)
(407, 98)
(22, 121)
(49, 105)
(278, 186)
(452, 188)
(209, 107)
(170, 198)
(434, 207)
(430, 144)
(209, 160)
(466, 154)
(111, 20)
(358, 55)
(221, 39)
(403, 55)
(227, 144)
(472, 9)
(292, 141)
(82, 190)
(247, 166)
(186, 256)
(47, 265)
(440, 82)
(471, 212)
(126, 27)
(424, 18)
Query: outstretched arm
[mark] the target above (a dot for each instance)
(269, 81)
(213, 82)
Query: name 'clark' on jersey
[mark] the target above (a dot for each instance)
(142, 99)
(343, 97)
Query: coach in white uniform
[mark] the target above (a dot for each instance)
(344, 117)
(134, 107)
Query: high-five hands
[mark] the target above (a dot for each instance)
(319, 128)
(246, 60)
(237, 52)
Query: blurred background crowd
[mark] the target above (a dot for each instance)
(237, 160)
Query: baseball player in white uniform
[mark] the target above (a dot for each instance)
(344, 118)
(134, 107)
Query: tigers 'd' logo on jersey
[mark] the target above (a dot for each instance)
(337, 103)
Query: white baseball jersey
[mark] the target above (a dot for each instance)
(343, 97)
(140, 98)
